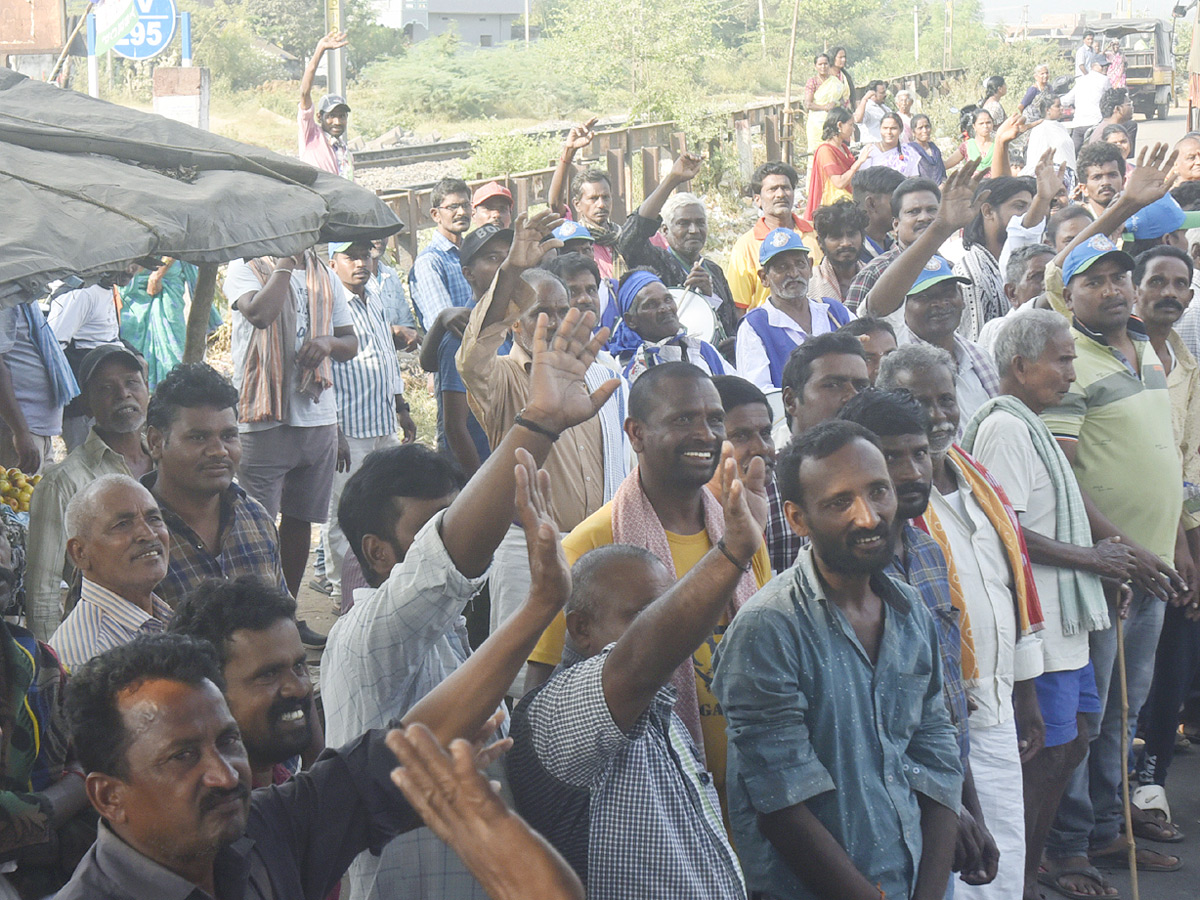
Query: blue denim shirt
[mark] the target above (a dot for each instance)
(812, 721)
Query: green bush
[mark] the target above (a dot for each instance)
(499, 154)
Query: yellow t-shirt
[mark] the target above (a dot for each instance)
(686, 550)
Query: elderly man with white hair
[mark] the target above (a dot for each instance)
(904, 108)
(1035, 355)
(117, 539)
(680, 219)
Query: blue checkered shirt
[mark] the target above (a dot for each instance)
(247, 544)
(391, 291)
(926, 573)
(366, 386)
(636, 815)
(436, 281)
(783, 544)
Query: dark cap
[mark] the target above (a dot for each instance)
(99, 355)
(331, 102)
(475, 241)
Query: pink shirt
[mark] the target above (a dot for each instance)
(320, 151)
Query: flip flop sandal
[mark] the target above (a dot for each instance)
(1120, 860)
(1053, 881)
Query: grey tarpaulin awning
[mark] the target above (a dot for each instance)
(87, 186)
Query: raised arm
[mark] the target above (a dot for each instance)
(531, 242)
(684, 170)
(578, 138)
(335, 40)
(262, 307)
(558, 399)
(670, 629)
(957, 210)
(1049, 182)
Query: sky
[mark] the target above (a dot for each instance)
(1009, 11)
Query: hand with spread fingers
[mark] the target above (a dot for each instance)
(532, 239)
(559, 397)
(580, 136)
(1152, 178)
(959, 201)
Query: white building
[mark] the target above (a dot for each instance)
(482, 23)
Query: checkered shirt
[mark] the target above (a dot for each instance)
(928, 574)
(436, 281)
(636, 815)
(247, 544)
(783, 544)
(856, 294)
(395, 645)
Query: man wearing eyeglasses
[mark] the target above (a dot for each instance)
(436, 281)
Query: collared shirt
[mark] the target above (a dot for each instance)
(103, 619)
(395, 645)
(391, 292)
(873, 113)
(1085, 97)
(436, 281)
(1188, 326)
(824, 282)
(1126, 457)
(856, 295)
(498, 389)
(752, 361)
(87, 316)
(680, 348)
(247, 544)
(783, 544)
(366, 386)
(319, 149)
(813, 721)
(976, 379)
(922, 566)
(872, 248)
(748, 291)
(299, 836)
(1183, 386)
(635, 814)
(47, 565)
(1002, 656)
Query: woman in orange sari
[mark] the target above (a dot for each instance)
(833, 165)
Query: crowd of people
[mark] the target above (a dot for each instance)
(783, 575)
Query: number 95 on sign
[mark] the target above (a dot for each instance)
(153, 32)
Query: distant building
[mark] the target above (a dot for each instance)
(482, 23)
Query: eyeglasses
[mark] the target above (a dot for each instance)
(457, 207)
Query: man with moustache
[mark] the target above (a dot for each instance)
(216, 529)
(323, 130)
(902, 427)
(973, 523)
(118, 541)
(843, 770)
(436, 281)
(492, 204)
(820, 376)
(840, 230)
(115, 387)
(1036, 357)
(252, 626)
(1100, 167)
(591, 199)
(770, 332)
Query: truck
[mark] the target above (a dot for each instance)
(1148, 46)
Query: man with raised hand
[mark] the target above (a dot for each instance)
(323, 130)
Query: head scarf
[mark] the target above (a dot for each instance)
(625, 339)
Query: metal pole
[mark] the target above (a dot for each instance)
(526, 24)
(787, 138)
(185, 37)
(916, 38)
(762, 26)
(92, 62)
(335, 60)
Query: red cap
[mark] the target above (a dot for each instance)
(490, 190)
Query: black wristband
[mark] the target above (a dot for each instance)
(724, 548)
(535, 427)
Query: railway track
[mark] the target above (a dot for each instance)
(411, 154)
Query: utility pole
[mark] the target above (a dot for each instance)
(948, 36)
(526, 24)
(916, 39)
(762, 26)
(335, 60)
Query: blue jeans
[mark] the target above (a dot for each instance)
(1090, 813)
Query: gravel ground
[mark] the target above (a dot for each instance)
(388, 177)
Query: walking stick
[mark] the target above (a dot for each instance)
(1133, 872)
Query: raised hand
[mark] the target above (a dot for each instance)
(581, 136)
(334, 40)
(959, 203)
(1153, 177)
(1049, 177)
(550, 584)
(686, 167)
(558, 393)
(744, 503)
(531, 238)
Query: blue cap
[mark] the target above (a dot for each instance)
(1095, 248)
(338, 247)
(572, 231)
(936, 271)
(1161, 217)
(779, 241)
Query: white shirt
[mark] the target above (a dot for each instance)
(303, 412)
(1085, 97)
(1003, 445)
(87, 316)
(982, 565)
(1049, 134)
(873, 114)
(395, 645)
(751, 354)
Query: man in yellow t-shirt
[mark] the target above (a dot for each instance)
(676, 425)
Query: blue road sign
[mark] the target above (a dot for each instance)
(153, 32)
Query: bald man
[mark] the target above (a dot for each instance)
(1187, 166)
(118, 541)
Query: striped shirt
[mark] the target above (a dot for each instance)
(102, 620)
(436, 281)
(366, 386)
